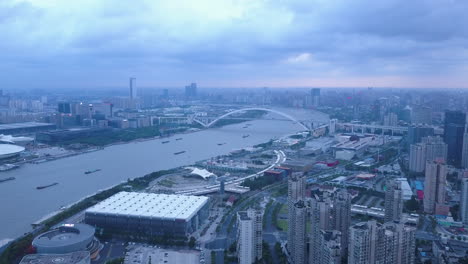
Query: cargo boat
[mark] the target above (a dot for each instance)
(93, 171)
(46, 186)
(7, 179)
(244, 136)
(178, 139)
(164, 142)
(7, 167)
(220, 144)
(180, 152)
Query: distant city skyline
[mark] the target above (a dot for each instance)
(63, 44)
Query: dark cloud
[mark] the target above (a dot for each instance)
(234, 40)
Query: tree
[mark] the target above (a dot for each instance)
(233, 247)
(192, 242)
(412, 205)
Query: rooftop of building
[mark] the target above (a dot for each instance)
(71, 258)
(9, 149)
(65, 235)
(151, 205)
(243, 215)
(23, 125)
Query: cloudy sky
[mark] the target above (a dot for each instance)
(234, 43)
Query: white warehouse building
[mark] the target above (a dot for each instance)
(149, 213)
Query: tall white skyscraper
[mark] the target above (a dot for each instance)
(249, 236)
(133, 88)
(464, 199)
(465, 150)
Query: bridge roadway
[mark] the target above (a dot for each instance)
(366, 126)
(234, 185)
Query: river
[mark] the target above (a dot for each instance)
(21, 204)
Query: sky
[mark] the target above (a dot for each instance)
(234, 43)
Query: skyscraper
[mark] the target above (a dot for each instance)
(396, 244)
(464, 200)
(249, 236)
(342, 216)
(390, 119)
(417, 157)
(416, 133)
(297, 226)
(191, 90)
(393, 201)
(465, 150)
(436, 148)
(329, 214)
(429, 149)
(373, 243)
(330, 247)
(315, 93)
(434, 186)
(320, 220)
(454, 128)
(133, 88)
(362, 248)
(297, 213)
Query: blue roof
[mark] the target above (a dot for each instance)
(418, 185)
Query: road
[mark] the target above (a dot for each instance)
(280, 158)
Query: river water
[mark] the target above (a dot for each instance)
(21, 204)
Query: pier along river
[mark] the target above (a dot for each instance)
(22, 204)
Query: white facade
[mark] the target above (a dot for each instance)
(465, 151)
(249, 236)
(464, 201)
(417, 158)
(434, 186)
(161, 206)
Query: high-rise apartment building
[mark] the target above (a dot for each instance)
(429, 149)
(341, 216)
(330, 247)
(421, 115)
(249, 236)
(436, 148)
(133, 88)
(373, 243)
(320, 220)
(434, 186)
(329, 214)
(390, 119)
(464, 200)
(396, 244)
(297, 242)
(417, 157)
(362, 247)
(454, 129)
(393, 201)
(297, 213)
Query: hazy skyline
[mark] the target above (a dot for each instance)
(89, 43)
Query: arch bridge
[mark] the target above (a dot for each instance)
(209, 124)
